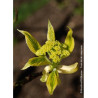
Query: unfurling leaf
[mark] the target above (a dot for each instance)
(36, 61)
(32, 43)
(69, 41)
(52, 81)
(45, 75)
(51, 34)
(68, 69)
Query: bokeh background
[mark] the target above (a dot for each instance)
(32, 16)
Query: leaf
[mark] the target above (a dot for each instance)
(69, 41)
(42, 50)
(52, 81)
(36, 61)
(68, 69)
(32, 43)
(45, 75)
(51, 34)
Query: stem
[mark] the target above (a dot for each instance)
(21, 82)
(48, 60)
(27, 79)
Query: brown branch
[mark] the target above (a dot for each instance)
(27, 79)
(21, 82)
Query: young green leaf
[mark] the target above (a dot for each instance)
(44, 77)
(69, 41)
(36, 61)
(51, 34)
(52, 81)
(32, 43)
(64, 69)
(46, 71)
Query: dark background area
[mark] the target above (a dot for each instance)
(32, 16)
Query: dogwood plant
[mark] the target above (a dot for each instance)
(50, 54)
